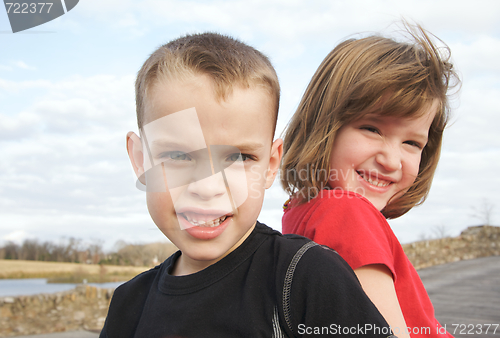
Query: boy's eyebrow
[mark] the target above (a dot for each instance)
(166, 142)
(249, 146)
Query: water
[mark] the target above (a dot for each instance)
(33, 286)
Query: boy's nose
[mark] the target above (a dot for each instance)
(208, 187)
(390, 157)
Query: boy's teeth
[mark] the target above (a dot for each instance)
(202, 223)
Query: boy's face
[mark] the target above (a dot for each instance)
(207, 164)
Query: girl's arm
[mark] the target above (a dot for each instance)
(377, 282)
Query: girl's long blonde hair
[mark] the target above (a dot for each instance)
(361, 76)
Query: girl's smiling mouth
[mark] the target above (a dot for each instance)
(374, 180)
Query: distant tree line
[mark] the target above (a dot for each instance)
(139, 254)
(73, 250)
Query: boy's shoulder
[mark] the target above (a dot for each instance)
(128, 301)
(140, 281)
(304, 258)
(287, 246)
(284, 242)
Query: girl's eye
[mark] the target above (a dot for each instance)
(370, 129)
(239, 157)
(176, 156)
(414, 144)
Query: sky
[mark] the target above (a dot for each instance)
(67, 102)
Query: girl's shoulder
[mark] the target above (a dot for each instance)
(347, 222)
(332, 208)
(333, 199)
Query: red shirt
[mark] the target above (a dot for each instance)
(348, 223)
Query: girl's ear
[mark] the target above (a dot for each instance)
(136, 155)
(274, 162)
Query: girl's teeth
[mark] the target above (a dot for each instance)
(376, 183)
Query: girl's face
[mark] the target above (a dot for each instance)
(379, 156)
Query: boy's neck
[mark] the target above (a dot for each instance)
(185, 266)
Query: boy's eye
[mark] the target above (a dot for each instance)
(176, 156)
(239, 157)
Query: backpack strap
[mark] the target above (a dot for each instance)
(287, 286)
(277, 329)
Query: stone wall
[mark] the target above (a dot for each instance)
(474, 242)
(84, 307)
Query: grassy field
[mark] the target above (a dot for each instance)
(67, 272)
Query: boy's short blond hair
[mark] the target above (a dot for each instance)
(227, 61)
(369, 75)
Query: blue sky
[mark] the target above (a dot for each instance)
(67, 102)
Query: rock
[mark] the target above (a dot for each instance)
(474, 242)
(77, 309)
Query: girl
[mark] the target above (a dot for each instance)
(361, 148)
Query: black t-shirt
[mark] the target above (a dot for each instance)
(245, 295)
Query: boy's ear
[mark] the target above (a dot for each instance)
(274, 162)
(136, 155)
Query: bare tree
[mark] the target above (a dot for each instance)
(483, 212)
(11, 250)
(440, 231)
(30, 250)
(95, 250)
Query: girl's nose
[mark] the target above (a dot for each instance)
(390, 157)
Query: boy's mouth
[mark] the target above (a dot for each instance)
(205, 221)
(374, 180)
(204, 224)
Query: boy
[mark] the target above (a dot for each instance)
(207, 108)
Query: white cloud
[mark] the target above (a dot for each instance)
(23, 65)
(16, 236)
(22, 125)
(477, 59)
(64, 155)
